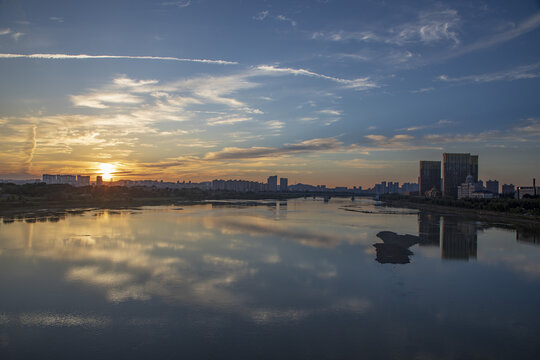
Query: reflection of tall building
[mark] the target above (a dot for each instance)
(528, 236)
(430, 176)
(459, 239)
(456, 168)
(429, 229)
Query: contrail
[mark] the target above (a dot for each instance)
(85, 56)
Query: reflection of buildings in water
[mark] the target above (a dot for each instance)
(429, 229)
(529, 236)
(459, 239)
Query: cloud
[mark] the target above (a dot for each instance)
(329, 112)
(179, 4)
(227, 120)
(261, 16)
(266, 14)
(274, 124)
(422, 90)
(442, 122)
(56, 19)
(522, 28)
(430, 26)
(518, 73)
(17, 35)
(284, 18)
(5, 31)
(363, 164)
(85, 57)
(357, 84)
(99, 100)
(314, 145)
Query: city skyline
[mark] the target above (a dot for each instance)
(324, 92)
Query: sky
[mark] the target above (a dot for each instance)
(334, 92)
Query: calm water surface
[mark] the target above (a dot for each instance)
(301, 279)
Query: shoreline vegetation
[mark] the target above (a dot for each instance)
(500, 210)
(42, 201)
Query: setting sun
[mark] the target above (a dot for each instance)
(106, 171)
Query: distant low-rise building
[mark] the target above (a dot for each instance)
(468, 188)
(492, 186)
(83, 180)
(508, 190)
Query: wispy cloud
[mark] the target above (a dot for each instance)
(266, 14)
(440, 123)
(422, 90)
(284, 18)
(363, 164)
(314, 145)
(429, 27)
(85, 57)
(521, 72)
(261, 16)
(99, 100)
(357, 84)
(227, 120)
(17, 35)
(5, 31)
(522, 28)
(57, 19)
(180, 4)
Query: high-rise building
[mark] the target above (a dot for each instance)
(272, 183)
(99, 180)
(283, 184)
(492, 186)
(456, 168)
(430, 176)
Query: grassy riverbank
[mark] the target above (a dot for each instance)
(523, 211)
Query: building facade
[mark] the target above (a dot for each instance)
(430, 176)
(272, 183)
(283, 184)
(492, 186)
(456, 168)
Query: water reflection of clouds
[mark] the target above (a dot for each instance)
(311, 235)
(201, 259)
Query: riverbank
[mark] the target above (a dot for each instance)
(480, 215)
(56, 209)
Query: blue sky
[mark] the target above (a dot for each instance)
(332, 92)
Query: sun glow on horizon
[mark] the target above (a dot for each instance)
(107, 170)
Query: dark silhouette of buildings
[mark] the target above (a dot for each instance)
(283, 184)
(99, 180)
(492, 186)
(430, 176)
(456, 168)
(272, 183)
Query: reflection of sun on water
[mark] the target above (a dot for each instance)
(106, 171)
